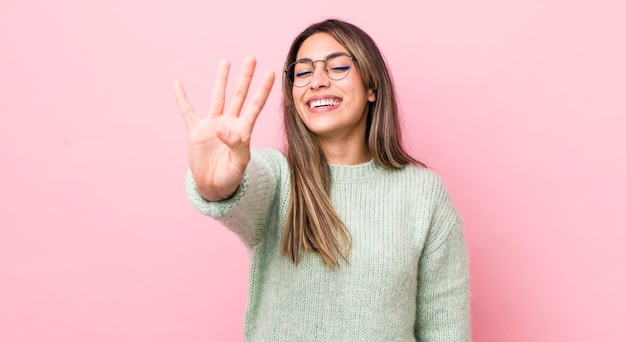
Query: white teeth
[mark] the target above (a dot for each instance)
(323, 103)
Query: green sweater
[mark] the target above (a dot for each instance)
(407, 277)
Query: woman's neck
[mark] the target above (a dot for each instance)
(344, 153)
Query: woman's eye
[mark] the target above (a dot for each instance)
(340, 68)
(303, 73)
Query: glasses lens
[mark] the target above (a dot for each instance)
(338, 66)
(301, 73)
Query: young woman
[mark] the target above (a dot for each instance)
(351, 238)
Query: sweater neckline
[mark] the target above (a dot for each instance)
(341, 173)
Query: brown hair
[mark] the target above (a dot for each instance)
(312, 225)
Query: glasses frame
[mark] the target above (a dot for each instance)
(291, 78)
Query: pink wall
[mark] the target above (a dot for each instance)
(520, 106)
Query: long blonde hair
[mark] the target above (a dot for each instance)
(312, 224)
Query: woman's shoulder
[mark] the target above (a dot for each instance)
(268, 155)
(424, 181)
(270, 158)
(422, 174)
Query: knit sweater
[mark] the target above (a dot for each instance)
(407, 275)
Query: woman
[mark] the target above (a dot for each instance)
(351, 238)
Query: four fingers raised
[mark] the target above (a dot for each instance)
(218, 98)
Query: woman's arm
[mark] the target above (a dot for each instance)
(247, 211)
(443, 297)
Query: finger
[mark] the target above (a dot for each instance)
(241, 89)
(228, 134)
(239, 148)
(218, 98)
(191, 120)
(259, 99)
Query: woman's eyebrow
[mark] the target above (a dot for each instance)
(307, 59)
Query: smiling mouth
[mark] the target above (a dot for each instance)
(323, 103)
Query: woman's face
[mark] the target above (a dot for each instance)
(334, 110)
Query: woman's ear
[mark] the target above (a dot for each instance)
(371, 95)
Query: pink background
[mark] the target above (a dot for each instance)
(519, 105)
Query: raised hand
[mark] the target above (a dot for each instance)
(219, 145)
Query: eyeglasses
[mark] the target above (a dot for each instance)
(336, 65)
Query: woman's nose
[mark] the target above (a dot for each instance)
(319, 78)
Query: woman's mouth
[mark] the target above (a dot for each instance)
(322, 103)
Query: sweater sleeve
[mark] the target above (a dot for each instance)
(443, 303)
(246, 213)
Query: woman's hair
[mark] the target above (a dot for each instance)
(312, 225)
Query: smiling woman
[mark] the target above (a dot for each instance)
(336, 115)
(352, 239)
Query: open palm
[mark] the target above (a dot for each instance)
(219, 145)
